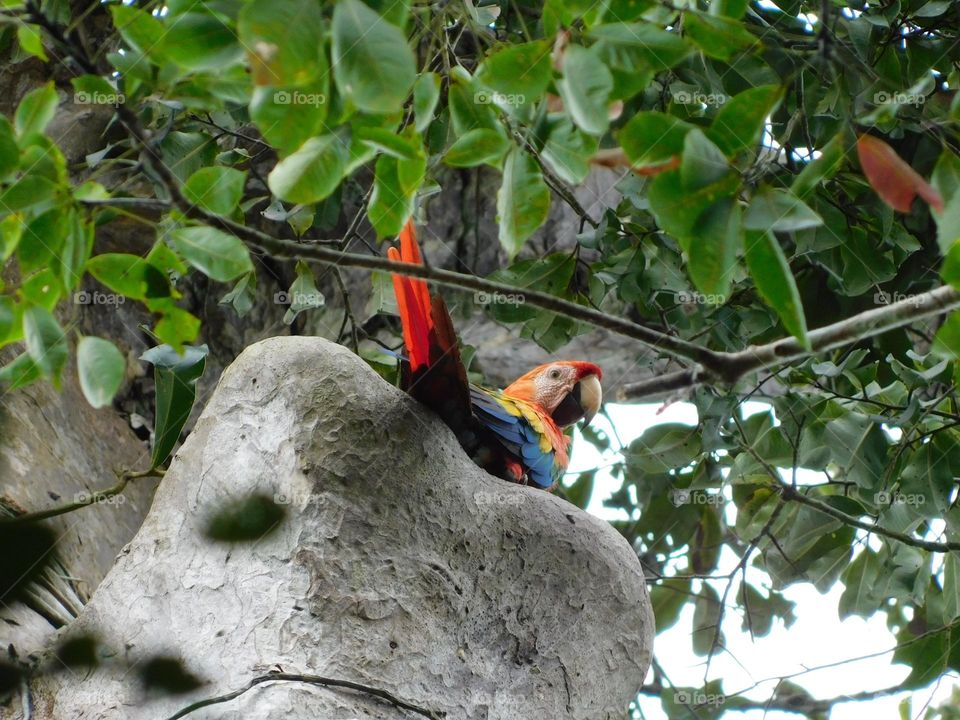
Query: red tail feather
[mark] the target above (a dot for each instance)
(413, 301)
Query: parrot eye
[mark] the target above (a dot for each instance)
(555, 374)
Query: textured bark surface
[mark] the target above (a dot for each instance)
(400, 565)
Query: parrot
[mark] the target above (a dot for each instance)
(517, 433)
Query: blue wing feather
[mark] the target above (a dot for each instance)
(517, 436)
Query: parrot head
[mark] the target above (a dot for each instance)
(568, 390)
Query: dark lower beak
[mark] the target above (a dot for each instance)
(581, 403)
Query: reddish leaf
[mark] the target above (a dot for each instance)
(896, 183)
(617, 158)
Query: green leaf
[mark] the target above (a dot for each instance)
(216, 189)
(36, 110)
(373, 65)
(706, 617)
(20, 372)
(668, 598)
(216, 254)
(523, 201)
(568, 152)
(176, 388)
(30, 40)
(42, 239)
(243, 295)
(585, 89)
(779, 210)
(283, 40)
(925, 655)
(177, 326)
(702, 163)
(653, 138)
(287, 117)
(775, 282)
(426, 93)
(479, 146)
(740, 121)
(390, 204)
(27, 191)
(303, 293)
(139, 29)
(652, 46)
(45, 341)
(9, 151)
(715, 238)
(823, 168)
(663, 448)
(101, 368)
(717, 37)
(387, 142)
(523, 70)
(8, 317)
(200, 41)
(312, 172)
(129, 275)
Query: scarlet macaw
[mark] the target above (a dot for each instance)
(515, 433)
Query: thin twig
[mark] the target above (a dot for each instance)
(312, 680)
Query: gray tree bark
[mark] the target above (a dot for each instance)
(400, 565)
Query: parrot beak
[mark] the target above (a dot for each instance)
(590, 397)
(581, 403)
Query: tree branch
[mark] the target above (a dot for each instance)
(312, 680)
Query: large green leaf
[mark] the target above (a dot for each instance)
(216, 189)
(390, 203)
(216, 254)
(477, 147)
(585, 89)
(36, 110)
(284, 40)
(176, 378)
(653, 138)
(45, 341)
(772, 209)
(100, 367)
(740, 121)
(129, 275)
(523, 201)
(200, 41)
(771, 274)
(522, 71)
(311, 173)
(372, 63)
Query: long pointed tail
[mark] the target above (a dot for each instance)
(437, 376)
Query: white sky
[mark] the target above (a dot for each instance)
(816, 638)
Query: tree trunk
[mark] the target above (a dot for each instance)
(399, 565)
